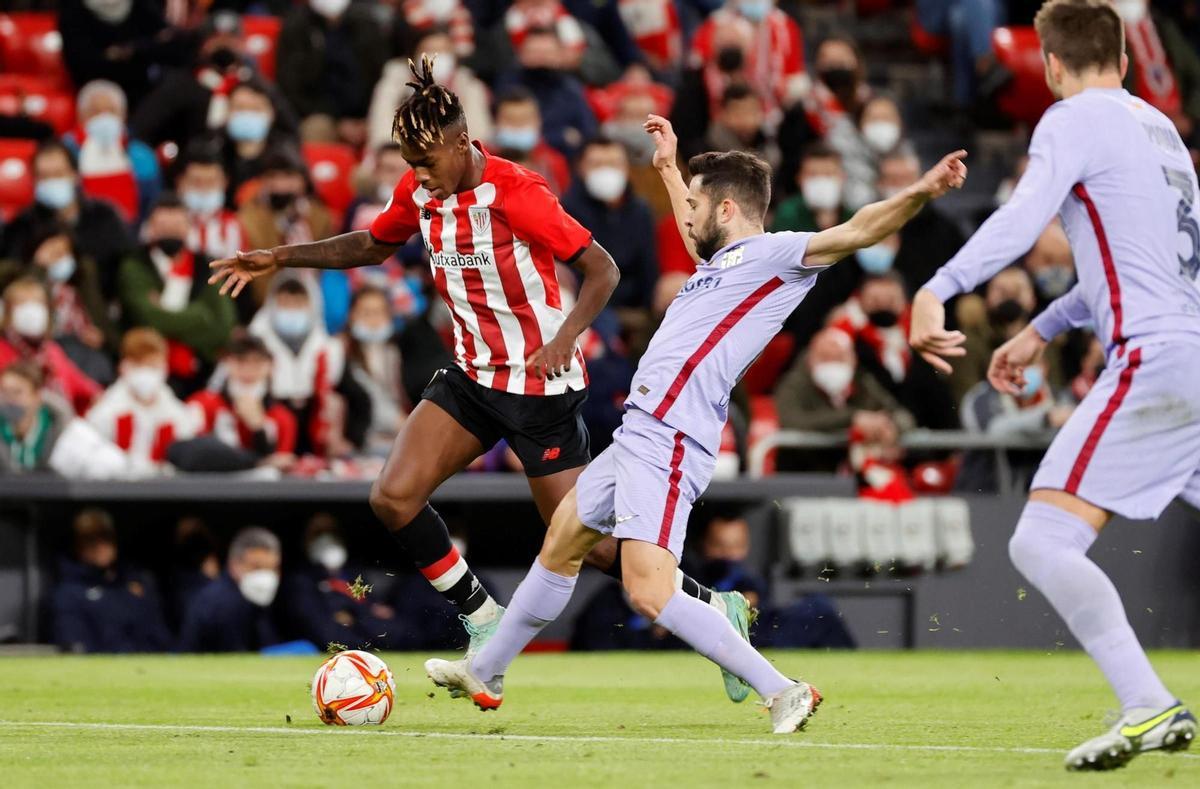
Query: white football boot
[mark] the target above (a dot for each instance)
(456, 676)
(1139, 730)
(791, 708)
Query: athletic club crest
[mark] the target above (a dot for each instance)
(481, 218)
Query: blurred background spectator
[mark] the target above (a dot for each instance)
(102, 604)
(518, 136)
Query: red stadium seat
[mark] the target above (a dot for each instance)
(762, 375)
(41, 98)
(16, 176)
(31, 44)
(927, 43)
(331, 165)
(261, 36)
(1026, 97)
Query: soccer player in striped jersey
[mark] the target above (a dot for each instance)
(1117, 173)
(642, 488)
(493, 231)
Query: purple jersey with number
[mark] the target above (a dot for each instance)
(1116, 171)
(715, 328)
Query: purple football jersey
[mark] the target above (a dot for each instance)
(718, 324)
(1117, 173)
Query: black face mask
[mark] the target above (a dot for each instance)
(842, 81)
(540, 74)
(1007, 312)
(280, 200)
(169, 246)
(730, 59)
(222, 58)
(884, 319)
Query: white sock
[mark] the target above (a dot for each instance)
(1050, 547)
(538, 601)
(484, 613)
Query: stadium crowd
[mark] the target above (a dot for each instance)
(200, 127)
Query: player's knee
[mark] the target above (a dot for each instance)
(396, 504)
(1020, 548)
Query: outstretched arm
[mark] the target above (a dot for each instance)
(875, 222)
(348, 250)
(666, 146)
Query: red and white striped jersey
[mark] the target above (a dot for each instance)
(492, 250)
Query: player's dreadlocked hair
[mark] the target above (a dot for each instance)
(421, 118)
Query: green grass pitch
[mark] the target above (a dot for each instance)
(923, 719)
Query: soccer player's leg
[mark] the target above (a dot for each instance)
(432, 446)
(541, 596)
(1122, 451)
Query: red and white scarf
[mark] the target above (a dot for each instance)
(1155, 77)
(106, 173)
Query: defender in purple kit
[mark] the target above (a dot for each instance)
(1117, 173)
(642, 488)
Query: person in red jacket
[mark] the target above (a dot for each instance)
(26, 336)
(241, 412)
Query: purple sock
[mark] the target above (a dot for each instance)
(538, 601)
(708, 632)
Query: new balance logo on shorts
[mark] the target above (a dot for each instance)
(552, 453)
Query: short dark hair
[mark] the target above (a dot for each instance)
(599, 141)
(243, 344)
(820, 150)
(54, 145)
(387, 147)
(517, 94)
(168, 201)
(28, 371)
(740, 176)
(293, 287)
(201, 155)
(1083, 34)
(421, 118)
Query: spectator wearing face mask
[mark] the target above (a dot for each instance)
(124, 41)
(704, 81)
(876, 319)
(100, 603)
(517, 136)
(94, 224)
(216, 232)
(38, 432)
(741, 125)
(1164, 67)
(234, 613)
(285, 211)
(239, 410)
(139, 413)
(393, 89)
(1050, 265)
(374, 365)
(567, 119)
(772, 59)
(112, 166)
(318, 596)
(1037, 411)
(307, 363)
(929, 239)
(78, 311)
(861, 140)
(619, 220)
(190, 102)
(251, 137)
(840, 89)
(330, 55)
(165, 287)
(826, 392)
(27, 337)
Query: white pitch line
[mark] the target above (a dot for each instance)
(569, 738)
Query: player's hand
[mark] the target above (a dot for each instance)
(927, 332)
(949, 173)
(236, 272)
(1006, 370)
(552, 359)
(665, 141)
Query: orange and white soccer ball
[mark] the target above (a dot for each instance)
(353, 688)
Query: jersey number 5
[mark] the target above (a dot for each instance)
(1189, 262)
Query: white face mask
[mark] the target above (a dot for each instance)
(30, 319)
(145, 382)
(327, 552)
(330, 9)
(606, 183)
(822, 192)
(256, 391)
(111, 11)
(881, 136)
(833, 377)
(1131, 11)
(443, 67)
(259, 586)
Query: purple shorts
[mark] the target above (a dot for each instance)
(1133, 444)
(643, 486)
